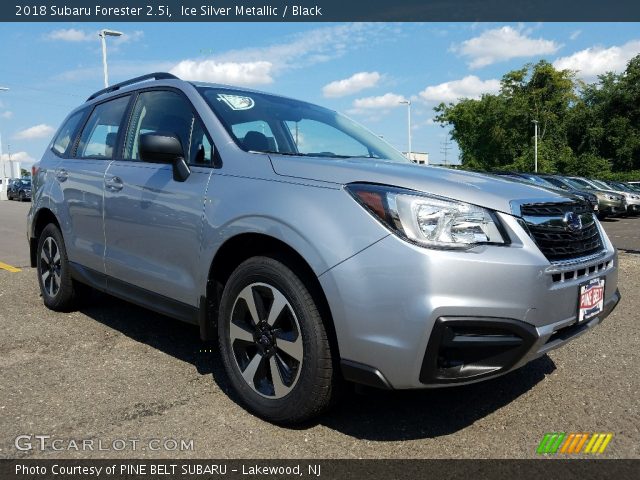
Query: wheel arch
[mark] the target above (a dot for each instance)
(241, 247)
(43, 218)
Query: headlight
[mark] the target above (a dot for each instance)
(427, 220)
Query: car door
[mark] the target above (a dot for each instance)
(153, 223)
(81, 181)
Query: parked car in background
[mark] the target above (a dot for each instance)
(632, 199)
(614, 204)
(609, 204)
(623, 187)
(542, 181)
(312, 250)
(633, 186)
(20, 189)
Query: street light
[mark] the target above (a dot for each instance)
(104, 33)
(408, 104)
(535, 145)
(4, 173)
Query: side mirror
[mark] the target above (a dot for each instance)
(164, 148)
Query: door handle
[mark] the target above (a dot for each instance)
(114, 184)
(61, 174)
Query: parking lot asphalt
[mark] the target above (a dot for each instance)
(115, 372)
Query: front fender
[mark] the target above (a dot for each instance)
(324, 225)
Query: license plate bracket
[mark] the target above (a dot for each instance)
(590, 299)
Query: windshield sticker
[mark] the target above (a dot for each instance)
(237, 102)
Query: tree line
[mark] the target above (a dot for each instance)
(586, 129)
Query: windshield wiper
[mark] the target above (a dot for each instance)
(318, 155)
(290, 154)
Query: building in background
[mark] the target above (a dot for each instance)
(8, 169)
(421, 158)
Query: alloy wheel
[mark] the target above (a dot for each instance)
(266, 340)
(50, 266)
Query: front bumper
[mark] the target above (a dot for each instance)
(611, 209)
(465, 350)
(633, 208)
(387, 300)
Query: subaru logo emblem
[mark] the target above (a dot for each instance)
(573, 222)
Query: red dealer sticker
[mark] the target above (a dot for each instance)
(591, 299)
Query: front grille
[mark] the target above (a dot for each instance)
(556, 242)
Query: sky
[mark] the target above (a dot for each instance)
(362, 70)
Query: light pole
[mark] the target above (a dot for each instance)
(104, 33)
(535, 145)
(4, 173)
(408, 104)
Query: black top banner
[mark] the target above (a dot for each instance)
(319, 10)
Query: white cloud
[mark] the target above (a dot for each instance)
(375, 108)
(501, 44)
(38, 131)
(593, 61)
(72, 35)
(128, 37)
(388, 100)
(24, 158)
(76, 35)
(249, 64)
(468, 87)
(248, 73)
(575, 34)
(353, 84)
(254, 66)
(6, 114)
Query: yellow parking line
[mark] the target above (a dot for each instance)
(9, 268)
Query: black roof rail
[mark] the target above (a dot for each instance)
(117, 86)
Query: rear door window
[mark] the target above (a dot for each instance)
(100, 133)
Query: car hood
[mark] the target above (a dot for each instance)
(608, 192)
(484, 190)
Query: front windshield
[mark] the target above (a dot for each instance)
(538, 181)
(558, 183)
(579, 183)
(600, 184)
(621, 186)
(260, 122)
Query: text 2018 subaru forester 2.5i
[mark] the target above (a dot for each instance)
(313, 250)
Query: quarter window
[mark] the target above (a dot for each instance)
(65, 134)
(99, 136)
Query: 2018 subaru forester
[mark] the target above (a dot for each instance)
(313, 250)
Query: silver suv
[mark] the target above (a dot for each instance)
(312, 250)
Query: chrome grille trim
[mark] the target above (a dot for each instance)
(546, 225)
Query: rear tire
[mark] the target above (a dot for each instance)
(273, 343)
(59, 291)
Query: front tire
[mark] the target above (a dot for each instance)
(273, 343)
(58, 290)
